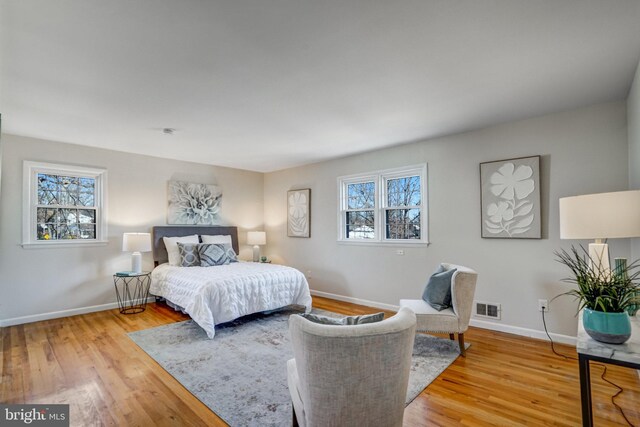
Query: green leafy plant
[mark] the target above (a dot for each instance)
(598, 288)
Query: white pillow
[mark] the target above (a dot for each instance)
(171, 243)
(217, 240)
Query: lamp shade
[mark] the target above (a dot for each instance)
(600, 216)
(256, 238)
(136, 242)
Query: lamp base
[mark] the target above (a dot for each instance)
(599, 254)
(136, 262)
(256, 253)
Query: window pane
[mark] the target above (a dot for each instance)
(87, 231)
(47, 189)
(404, 191)
(87, 191)
(360, 225)
(87, 185)
(45, 215)
(47, 232)
(86, 199)
(68, 216)
(68, 231)
(68, 183)
(403, 224)
(86, 216)
(361, 195)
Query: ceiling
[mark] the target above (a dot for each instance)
(270, 84)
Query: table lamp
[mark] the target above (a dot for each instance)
(600, 216)
(256, 238)
(136, 243)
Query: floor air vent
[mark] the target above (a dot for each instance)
(488, 309)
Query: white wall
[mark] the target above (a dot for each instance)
(36, 281)
(633, 133)
(584, 151)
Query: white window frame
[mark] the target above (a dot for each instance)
(380, 179)
(30, 172)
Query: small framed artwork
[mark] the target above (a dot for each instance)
(510, 198)
(299, 213)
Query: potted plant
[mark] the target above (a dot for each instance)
(604, 295)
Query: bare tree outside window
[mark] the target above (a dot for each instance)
(360, 214)
(402, 214)
(384, 206)
(66, 207)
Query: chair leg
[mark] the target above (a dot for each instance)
(461, 342)
(451, 337)
(294, 421)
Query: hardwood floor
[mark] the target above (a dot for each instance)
(90, 363)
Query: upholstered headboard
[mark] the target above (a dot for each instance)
(160, 252)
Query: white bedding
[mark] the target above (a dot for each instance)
(214, 295)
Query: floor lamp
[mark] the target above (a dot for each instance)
(600, 216)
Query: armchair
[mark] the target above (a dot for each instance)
(454, 320)
(350, 375)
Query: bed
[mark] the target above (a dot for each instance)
(220, 294)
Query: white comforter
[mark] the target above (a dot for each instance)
(214, 295)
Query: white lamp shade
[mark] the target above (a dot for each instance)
(136, 242)
(600, 216)
(256, 238)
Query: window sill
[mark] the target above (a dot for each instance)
(63, 244)
(384, 243)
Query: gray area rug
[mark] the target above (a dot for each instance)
(241, 374)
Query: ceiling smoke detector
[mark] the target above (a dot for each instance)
(168, 131)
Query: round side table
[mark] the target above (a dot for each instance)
(132, 290)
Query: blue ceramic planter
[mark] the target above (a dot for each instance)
(610, 328)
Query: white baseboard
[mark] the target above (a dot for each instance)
(483, 324)
(64, 313)
(525, 332)
(356, 300)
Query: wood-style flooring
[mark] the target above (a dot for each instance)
(88, 362)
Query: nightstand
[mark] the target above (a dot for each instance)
(132, 290)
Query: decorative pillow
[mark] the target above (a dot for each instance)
(171, 243)
(212, 254)
(219, 239)
(437, 293)
(189, 256)
(349, 320)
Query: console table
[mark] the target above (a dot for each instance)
(627, 354)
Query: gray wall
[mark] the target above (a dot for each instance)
(584, 151)
(36, 281)
(633, 126)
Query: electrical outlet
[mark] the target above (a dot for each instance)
(543, 305)
(399, 252)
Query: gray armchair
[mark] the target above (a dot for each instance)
(454, 320)
(350, 375)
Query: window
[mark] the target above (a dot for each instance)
(385, 206)
(63, 205)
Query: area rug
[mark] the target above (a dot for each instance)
(241, 374)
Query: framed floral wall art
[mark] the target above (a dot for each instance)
(299, 213)
(510, 198)
(191, 203)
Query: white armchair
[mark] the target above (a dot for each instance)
(454, 320)
(350, 375)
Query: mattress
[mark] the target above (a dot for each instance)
(214, 295)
